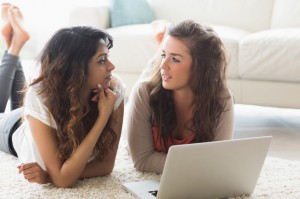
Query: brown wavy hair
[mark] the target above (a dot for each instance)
(61, 83)
(207, 83)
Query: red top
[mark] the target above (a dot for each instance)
(159, 144)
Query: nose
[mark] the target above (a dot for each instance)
(110, 66)
(165, 64)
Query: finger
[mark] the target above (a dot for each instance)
(28, 165)
(95, 98)
(101, 91)
(30, 168)
(31, 178)
(27, 176)
(109, 92)
(20, 169)
(95, 90)
(33, 172)
(35, 179)
(99, 86)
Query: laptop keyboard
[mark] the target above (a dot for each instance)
(154, 193)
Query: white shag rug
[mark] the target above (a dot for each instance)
(278, 179)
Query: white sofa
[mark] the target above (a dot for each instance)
(262, 38)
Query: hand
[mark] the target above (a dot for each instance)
(34, 173)
(106, 99)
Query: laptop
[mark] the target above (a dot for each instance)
(218, 169)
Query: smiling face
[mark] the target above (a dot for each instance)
(176, 64)
(99, 68)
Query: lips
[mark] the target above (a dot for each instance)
(165, 77)
(108, 77)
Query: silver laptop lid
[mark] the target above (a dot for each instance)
(213, 169)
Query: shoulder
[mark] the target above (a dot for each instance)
(34, 106)
(228, 95)
(140, 87)
(140, 92)
(139, 96)
(119, 88)
(31, 95)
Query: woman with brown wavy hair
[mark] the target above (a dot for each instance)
(186, 100)
(73, 110)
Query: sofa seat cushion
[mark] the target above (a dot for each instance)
(134, 46)
(271, 55)
(231, 38)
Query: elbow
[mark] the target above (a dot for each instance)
(66, 183)
(138, 166)
(108, 172)
(108, 169)
(149, 164)
(63, 184)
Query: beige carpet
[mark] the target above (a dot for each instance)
(279, 179)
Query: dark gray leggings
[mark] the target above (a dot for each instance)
(12, 81)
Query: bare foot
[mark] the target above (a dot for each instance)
(20, 35)
(6, 28)
(159, 29)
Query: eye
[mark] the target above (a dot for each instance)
(175, 60)
(103, 60)
(163, 55)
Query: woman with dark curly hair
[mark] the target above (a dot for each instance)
(186, 99)
(73, 110)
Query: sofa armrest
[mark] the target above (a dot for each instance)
(91, 16)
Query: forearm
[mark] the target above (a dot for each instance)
(153, 162)
(140, 135)
(65, 174)
(97, 168)
(72, 168)
(141, 146)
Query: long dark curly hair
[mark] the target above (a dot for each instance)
(207, 83)
(61, 82)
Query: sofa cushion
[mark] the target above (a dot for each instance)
(125, 12)
(134, 46)
(139, 44)
(286, 14)
(89, 15)
(231, 38)
(252, 15)
(271, 55)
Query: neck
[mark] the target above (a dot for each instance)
(86, 96)
(184, 103)
(183, 99)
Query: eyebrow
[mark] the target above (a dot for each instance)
(102, 54)
(174, 54)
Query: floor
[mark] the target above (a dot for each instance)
(282, 124)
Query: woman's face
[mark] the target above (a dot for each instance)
(176, 64)
(99, 68)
